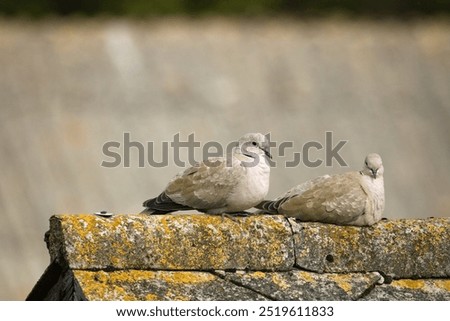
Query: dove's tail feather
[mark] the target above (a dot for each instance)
(270, 207)
(163, 204)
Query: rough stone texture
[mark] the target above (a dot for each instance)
(172, 242)
(205, 257)
(302, 285)
(159, 286)
(412, 290)
(403, 248)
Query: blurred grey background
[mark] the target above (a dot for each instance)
(68, 84)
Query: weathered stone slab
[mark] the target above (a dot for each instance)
(307, 286)
(402, 248)
(130, 285)
(412, 290)
(171, 242)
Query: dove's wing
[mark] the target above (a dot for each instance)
(273, 207)
(338, 199)
(163, 204)
(206, 185)
(300, 189)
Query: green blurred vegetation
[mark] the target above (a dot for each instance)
(227, 7)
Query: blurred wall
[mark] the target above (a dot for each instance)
(69, 86)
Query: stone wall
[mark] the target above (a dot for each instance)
(259, 257)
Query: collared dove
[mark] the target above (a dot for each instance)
(219, 185)
(353, 198)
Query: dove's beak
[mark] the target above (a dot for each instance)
(374, 173)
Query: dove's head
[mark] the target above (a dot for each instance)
(373, 166)
(254, 143)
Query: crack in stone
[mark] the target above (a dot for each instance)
(293, 241)
(367, 291)
(237, 283)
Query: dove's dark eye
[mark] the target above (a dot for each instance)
(254, 143)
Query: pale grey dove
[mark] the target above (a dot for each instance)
(353, 198)
(220, 185)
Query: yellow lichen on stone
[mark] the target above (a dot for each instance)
(174, 242)
(273, 230)
(278, 280)
(307, 276)
(409, 284)
(349, 234)
(257, 275)
(443, 284)
(181, 230)
(376, 232)
(208, 238)
(403, 248)
(89, 234)
(152, 297)
(346, 236)
(98, 286)
(343, 281)
(83, 229)
(186, 277)
(428, 235)
(122, 285)
(99, 276)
